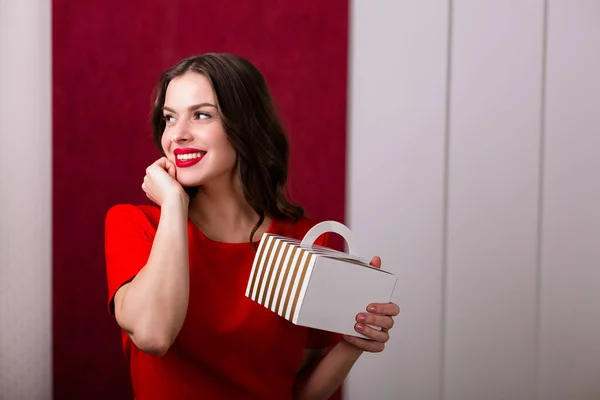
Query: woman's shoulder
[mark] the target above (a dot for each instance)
(127, 214)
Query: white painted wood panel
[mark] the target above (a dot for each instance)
(570, 328)
(494, 147)
(25, 200)
(397, 113)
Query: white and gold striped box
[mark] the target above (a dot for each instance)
(314, 286)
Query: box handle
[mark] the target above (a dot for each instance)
(330, 226)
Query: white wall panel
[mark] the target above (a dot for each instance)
(397, 122)
(493, 170)
(25, 200)
(570, 329)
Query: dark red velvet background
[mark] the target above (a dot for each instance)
(107, 56)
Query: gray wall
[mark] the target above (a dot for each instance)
(474, 155)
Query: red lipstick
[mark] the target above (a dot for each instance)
(190, 156)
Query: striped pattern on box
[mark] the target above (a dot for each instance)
(280, 274)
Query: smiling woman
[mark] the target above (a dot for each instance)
(212, 156)
(177, 271)
(238, 118)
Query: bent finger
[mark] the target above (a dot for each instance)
(382, 321)
(390, 309)
(371, 333)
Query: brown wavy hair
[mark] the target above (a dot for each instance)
(252, 124)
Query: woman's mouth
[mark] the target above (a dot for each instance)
(186, 158)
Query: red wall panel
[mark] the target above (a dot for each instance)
(107, 57)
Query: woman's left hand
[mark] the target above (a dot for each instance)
(379, 315)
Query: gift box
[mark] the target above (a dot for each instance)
(315, 286)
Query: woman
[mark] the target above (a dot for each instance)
(177, 272)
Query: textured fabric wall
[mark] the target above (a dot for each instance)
(106, 59)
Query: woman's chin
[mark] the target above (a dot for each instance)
(188, 181)
(189, 184)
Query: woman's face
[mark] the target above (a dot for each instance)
(194, 138)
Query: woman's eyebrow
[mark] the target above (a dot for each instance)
(192, 107)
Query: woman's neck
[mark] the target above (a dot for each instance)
(223, 214)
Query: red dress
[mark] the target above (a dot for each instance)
(229, 346)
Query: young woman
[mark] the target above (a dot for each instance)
(177, 271)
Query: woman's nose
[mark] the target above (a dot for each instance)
(181, 133)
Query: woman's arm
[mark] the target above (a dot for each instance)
(152, 307)
(321, 379)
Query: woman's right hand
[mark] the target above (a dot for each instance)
(160, 182)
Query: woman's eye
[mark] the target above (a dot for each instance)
(169, 118)
(201, 115)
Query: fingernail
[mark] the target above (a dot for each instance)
(371, 309)
(360, 327)
(362, 317)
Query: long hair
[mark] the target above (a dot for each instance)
(252, 124)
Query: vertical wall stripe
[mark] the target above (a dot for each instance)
(396, 156)
(444, 275)
(25, 200)
(570, 281)
(493, 199)
(540, 217)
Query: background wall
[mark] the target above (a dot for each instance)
(25, 206)
(473, 162)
